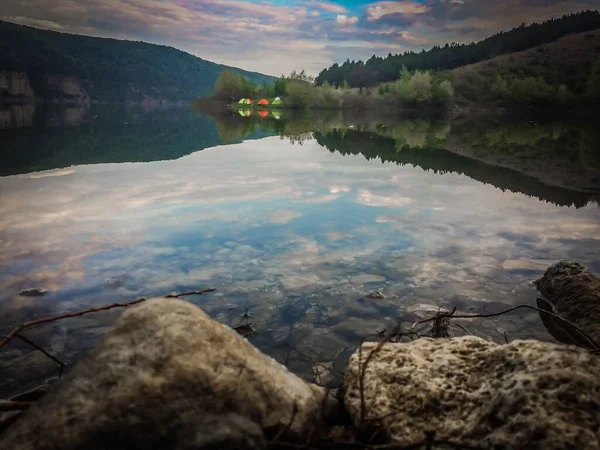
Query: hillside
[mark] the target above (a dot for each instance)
(567, 61)
(49, 64)
(450, 56)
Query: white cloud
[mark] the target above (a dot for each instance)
(343, 19)
(380, 9)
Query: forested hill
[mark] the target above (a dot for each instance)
(107, 70)
(450, 56)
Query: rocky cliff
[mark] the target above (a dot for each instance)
(19, 87)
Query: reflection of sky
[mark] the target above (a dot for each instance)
(269, 223)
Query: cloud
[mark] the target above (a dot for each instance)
(343, 19)
(380, 10)
(278, 37)
(282, 217)
(37, 23)
(366, 197)
(327, 6)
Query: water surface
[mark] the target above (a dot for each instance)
(291, 219)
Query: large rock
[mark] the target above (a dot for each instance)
(167, 376)
(526, 394)
(574, 294)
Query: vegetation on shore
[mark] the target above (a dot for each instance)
(564, 73)
(379, 70)
(298, 91)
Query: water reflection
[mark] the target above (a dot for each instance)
(295, 233)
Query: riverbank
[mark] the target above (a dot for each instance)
(166, 374)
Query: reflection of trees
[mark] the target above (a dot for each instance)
(374, 146)
(589, 148)
(419, 133)
(113, 134)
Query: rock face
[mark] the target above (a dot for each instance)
(15, 84)
(167, 376)
(574, 293)
(65, 88)
(526, 394)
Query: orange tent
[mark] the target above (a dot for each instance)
(263, 101)
(263, 112)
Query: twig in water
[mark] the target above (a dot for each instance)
(37, 347)
(32, 323)
(184, 294)
(593, 343)
(9, 405)
(298, 351)
(462, 328)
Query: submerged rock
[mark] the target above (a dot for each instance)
(376, 294)
(526, 394)
(167, 376)
(33, 292)
(573, 293)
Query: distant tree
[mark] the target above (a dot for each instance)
(229, 85)
(361, 77)
(442, 92)
(267, 90)
(249, 87)
(421, 86)
(593, 85)
(455, 55)
(301, 76)
(280, 86)
(563, 94)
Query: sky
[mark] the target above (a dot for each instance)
(278, 36)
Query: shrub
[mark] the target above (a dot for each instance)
(442, 93)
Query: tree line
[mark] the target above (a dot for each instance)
(378, 69)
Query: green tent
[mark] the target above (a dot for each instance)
(245, 101)
(276, 101)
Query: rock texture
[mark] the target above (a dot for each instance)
(64, 88)
(15, 84)
(526, 394)
(574, 294)
(167, 376)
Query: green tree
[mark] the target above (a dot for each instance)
(421, 85)
(229, 85)
(593, 85)
(280, 84)
(442, 92)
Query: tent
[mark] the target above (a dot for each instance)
(245, 101)
(263, 112)
(276, 101)
(263, 102)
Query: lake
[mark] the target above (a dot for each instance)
(292, 218)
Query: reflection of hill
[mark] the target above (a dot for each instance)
(374, 146)
(110, 135)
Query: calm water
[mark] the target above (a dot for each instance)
(293, 218)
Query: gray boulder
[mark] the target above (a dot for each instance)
(572, 292)
(167, 376)
(471, 392)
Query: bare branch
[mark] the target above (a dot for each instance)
(32, 323)
(593, 343)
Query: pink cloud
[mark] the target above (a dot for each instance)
(327, 6)
(380, 9)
